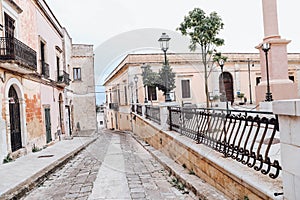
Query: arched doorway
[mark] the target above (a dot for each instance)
(15, 122)
(226, 87)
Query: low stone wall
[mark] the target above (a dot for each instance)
(230, 177)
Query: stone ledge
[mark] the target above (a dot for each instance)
(251, 183)
(25, 186)
(287, 107)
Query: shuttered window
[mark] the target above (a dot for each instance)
(152, 96)
(185, 87)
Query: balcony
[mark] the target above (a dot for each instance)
(64, 79)
(113, 106)
(45, 69)
(17, 56)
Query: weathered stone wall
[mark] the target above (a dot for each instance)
(84, 99)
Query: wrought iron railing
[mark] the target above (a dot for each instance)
(64, 78)
(45, 69)
(139, 109)
(248, 137)
(153, 113)
(113, 106)
(13, 49)
(132, 108)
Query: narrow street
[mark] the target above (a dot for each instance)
(115, 166)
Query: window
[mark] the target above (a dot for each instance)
(44, 64)
(125, 95)
(152, 95)
(119, 96)
(9, 26)
(76, 74)
(258, 80)
(185, 88)
(58, 68)
(292, 78)
(110, 97)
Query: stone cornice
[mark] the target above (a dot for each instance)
(45, 9)
(14, 5)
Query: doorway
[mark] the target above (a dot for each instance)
(226, 87)
(48, 125)
(68, 123)
(15, 122)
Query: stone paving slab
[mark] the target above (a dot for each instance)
(111, 179)
(19, 176)
(115, 166)
(199, 187)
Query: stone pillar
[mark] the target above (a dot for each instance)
(281, 87)
(164, 113)
(144, 110)
(289, 125)
(163, 108)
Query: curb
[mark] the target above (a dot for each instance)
(192, 182)
(39, 177)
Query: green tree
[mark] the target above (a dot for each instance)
(149, 77)
(203, 31)
(217, 57)
(166, 81)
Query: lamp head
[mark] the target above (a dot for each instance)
(221, 63)
(265, 47)
(164, 41)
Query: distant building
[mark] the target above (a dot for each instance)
(83, 85)
(39, 102)
(122, 91)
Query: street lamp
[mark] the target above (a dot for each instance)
(136, 78)
(144, 67)
(164, 45)
(266, 48)
(250, 79)
(221, 64)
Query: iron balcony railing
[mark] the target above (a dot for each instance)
(153, 113)
(251, 138)
(64, 78)
(132, 108)
(45, 69)
(13, 49)
(113, 106)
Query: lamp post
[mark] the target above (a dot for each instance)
(250, 80)
(144, 67)
(266, 48)
(164, 45)
(136, 78)
(221, 64)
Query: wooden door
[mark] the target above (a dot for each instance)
(15, 123)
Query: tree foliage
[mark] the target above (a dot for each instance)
(149, 77)
(203, 31)
(218, 56)
(164, 80)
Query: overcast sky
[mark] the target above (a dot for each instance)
(96, 21)
(118, 27)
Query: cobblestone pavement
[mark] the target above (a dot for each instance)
(146, 178)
